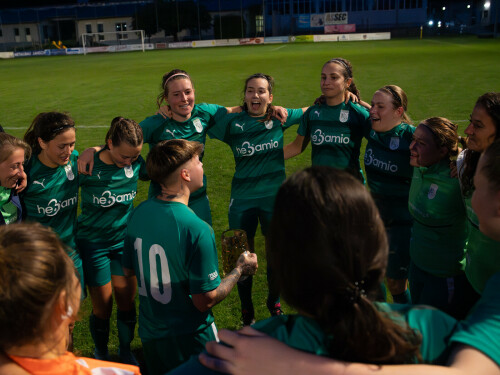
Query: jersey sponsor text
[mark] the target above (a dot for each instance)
(54, 206)
(248, 149)
(318, 138)
(108, 199)
(384, 165)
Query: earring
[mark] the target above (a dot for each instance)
(68, 314)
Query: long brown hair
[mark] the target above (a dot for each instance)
(328, 250)
(445, 135)
(47, 126)
(490, 102)
(270, 88)
(124, 130)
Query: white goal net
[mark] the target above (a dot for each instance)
(113, 38)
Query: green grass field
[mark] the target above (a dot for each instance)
(442, 77)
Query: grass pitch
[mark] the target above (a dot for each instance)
(442, 77)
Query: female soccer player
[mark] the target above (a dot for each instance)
(332, 277)
(337, 128)
(39, 300)
(51, 197)
(107, 201)
(439, 231)
(13, 153)
(256, 140)
(482, 255)
(389, 175)
(187, 121)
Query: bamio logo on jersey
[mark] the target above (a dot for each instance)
(197, 125)
(54, 206)
(69, 172)
(384, 165)
(432, 191)
(344, 115)
(268, 124)
(107, 199)
(248, 149)
(394, 144)
(319, 138)
(212, 276)
(129, 171)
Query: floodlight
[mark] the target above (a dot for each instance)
(487, 5)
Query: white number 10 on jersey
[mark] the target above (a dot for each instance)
(163, 294)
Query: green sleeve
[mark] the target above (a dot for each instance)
(304, 127)
(150, 126)
(219, 128)
(294, 117)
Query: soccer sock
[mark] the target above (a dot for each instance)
(404, 298)
(99, 329)
(245, 292)
(125, 323)
(273, 297)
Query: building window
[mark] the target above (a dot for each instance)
(121, 26)
(16, 31)
(88, 28)
(259, 23)
(100, 28)
(1, 33)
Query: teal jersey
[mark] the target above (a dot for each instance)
(482, 254)
(51, 197)
(156, 129)
(336, 133)
(107, 200)
(305, 334)
(173, 254)
(257, 148)
(439, 230)
(481, 329)
(387, 161)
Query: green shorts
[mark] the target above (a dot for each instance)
(163, 355)
(100, 261)
(247, 213)
(398, 224)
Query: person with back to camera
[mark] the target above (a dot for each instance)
(13, 154)
(332, 277)
(173, 255)
(439, 232)
(39, 300)
(107, 201)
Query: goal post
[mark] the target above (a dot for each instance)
(109, 38)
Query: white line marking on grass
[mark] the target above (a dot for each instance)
(77, 126)
(277, 48)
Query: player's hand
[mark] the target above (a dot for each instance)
(280, 113)
(251, 352)
(22, 182)
(247, 262)
(86, 161)
(165, 112)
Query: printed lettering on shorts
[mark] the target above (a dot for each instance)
(372, 160)
(108, 199)
(249, 149)
(319, 138)
(54, 206)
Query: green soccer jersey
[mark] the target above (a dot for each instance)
(439, 230)
(481, 329)
(482, 253)
(8, 210)
(387, 161)
(51, 197)
(336, 133)
(305, 334)
(107, 200)
(257, 148)
(173, 254)
(156, 129)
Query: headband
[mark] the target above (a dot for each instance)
(344, 64)
(172, 76)
(395, 95)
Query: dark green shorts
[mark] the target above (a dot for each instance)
(247, 213)
(163, 355)
(100, 261)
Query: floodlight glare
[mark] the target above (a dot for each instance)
(468, 6)
(431, 22)
(487, 5)
(439, 23)
(444, 8)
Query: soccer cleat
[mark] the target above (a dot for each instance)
(276, 310)
(248, 317)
